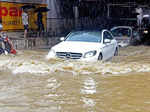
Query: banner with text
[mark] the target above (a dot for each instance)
(12, 19)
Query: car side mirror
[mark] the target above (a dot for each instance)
(107, 41)
(62, 38)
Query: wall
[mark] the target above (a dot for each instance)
(53, 15)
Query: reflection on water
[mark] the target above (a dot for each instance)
(29, 83)
(89, 86)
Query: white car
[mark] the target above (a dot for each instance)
(125, 35)
(86, 46)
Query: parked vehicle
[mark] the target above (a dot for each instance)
(145, 30)
(125, 35)
(86, 46)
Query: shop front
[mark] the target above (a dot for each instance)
(10, 14)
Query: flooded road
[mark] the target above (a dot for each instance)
(29, 83)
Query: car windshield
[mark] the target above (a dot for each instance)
(84, 36)
(121, 32)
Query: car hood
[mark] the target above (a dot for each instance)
(123, 38)
(78, 47)
(123, 41)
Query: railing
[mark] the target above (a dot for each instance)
(34, 43)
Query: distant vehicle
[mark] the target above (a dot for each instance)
(125, 35)
(145, 30)
(86, 46)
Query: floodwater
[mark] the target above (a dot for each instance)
(29, 83)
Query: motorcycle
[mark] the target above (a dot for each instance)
(6, 45)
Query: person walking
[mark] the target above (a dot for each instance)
(139, 16)
(25, 22)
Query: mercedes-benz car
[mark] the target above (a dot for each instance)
(86, 46)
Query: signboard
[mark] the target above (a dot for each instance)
(26, 1)
(12, 19)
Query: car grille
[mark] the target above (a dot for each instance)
(69, 55)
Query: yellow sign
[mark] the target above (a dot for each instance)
(12, 19)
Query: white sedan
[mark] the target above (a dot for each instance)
(86, 46)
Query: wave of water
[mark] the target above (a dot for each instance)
(34, 66)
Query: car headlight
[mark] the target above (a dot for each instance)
(90, 54)
(146, 31)
(51, 54)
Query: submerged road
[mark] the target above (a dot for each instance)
(29, 83)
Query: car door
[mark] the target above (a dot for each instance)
(108, 48)
(122, 34)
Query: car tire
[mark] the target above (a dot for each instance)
(116, 52)
(100, 57)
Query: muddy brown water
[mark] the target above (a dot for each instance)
(29, 83)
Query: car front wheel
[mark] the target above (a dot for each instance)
(116, 52)
(100, 57)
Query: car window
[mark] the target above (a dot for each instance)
(121, 32)
(107, 35)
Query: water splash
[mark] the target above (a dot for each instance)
(35, 66)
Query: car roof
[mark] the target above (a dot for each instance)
(113, 28)
(88, 30)
(121, 27)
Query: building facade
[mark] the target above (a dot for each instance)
(26, 1)
(11, 11)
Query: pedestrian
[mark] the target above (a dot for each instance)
(25, 22)
(139, 16)
(40, 22)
